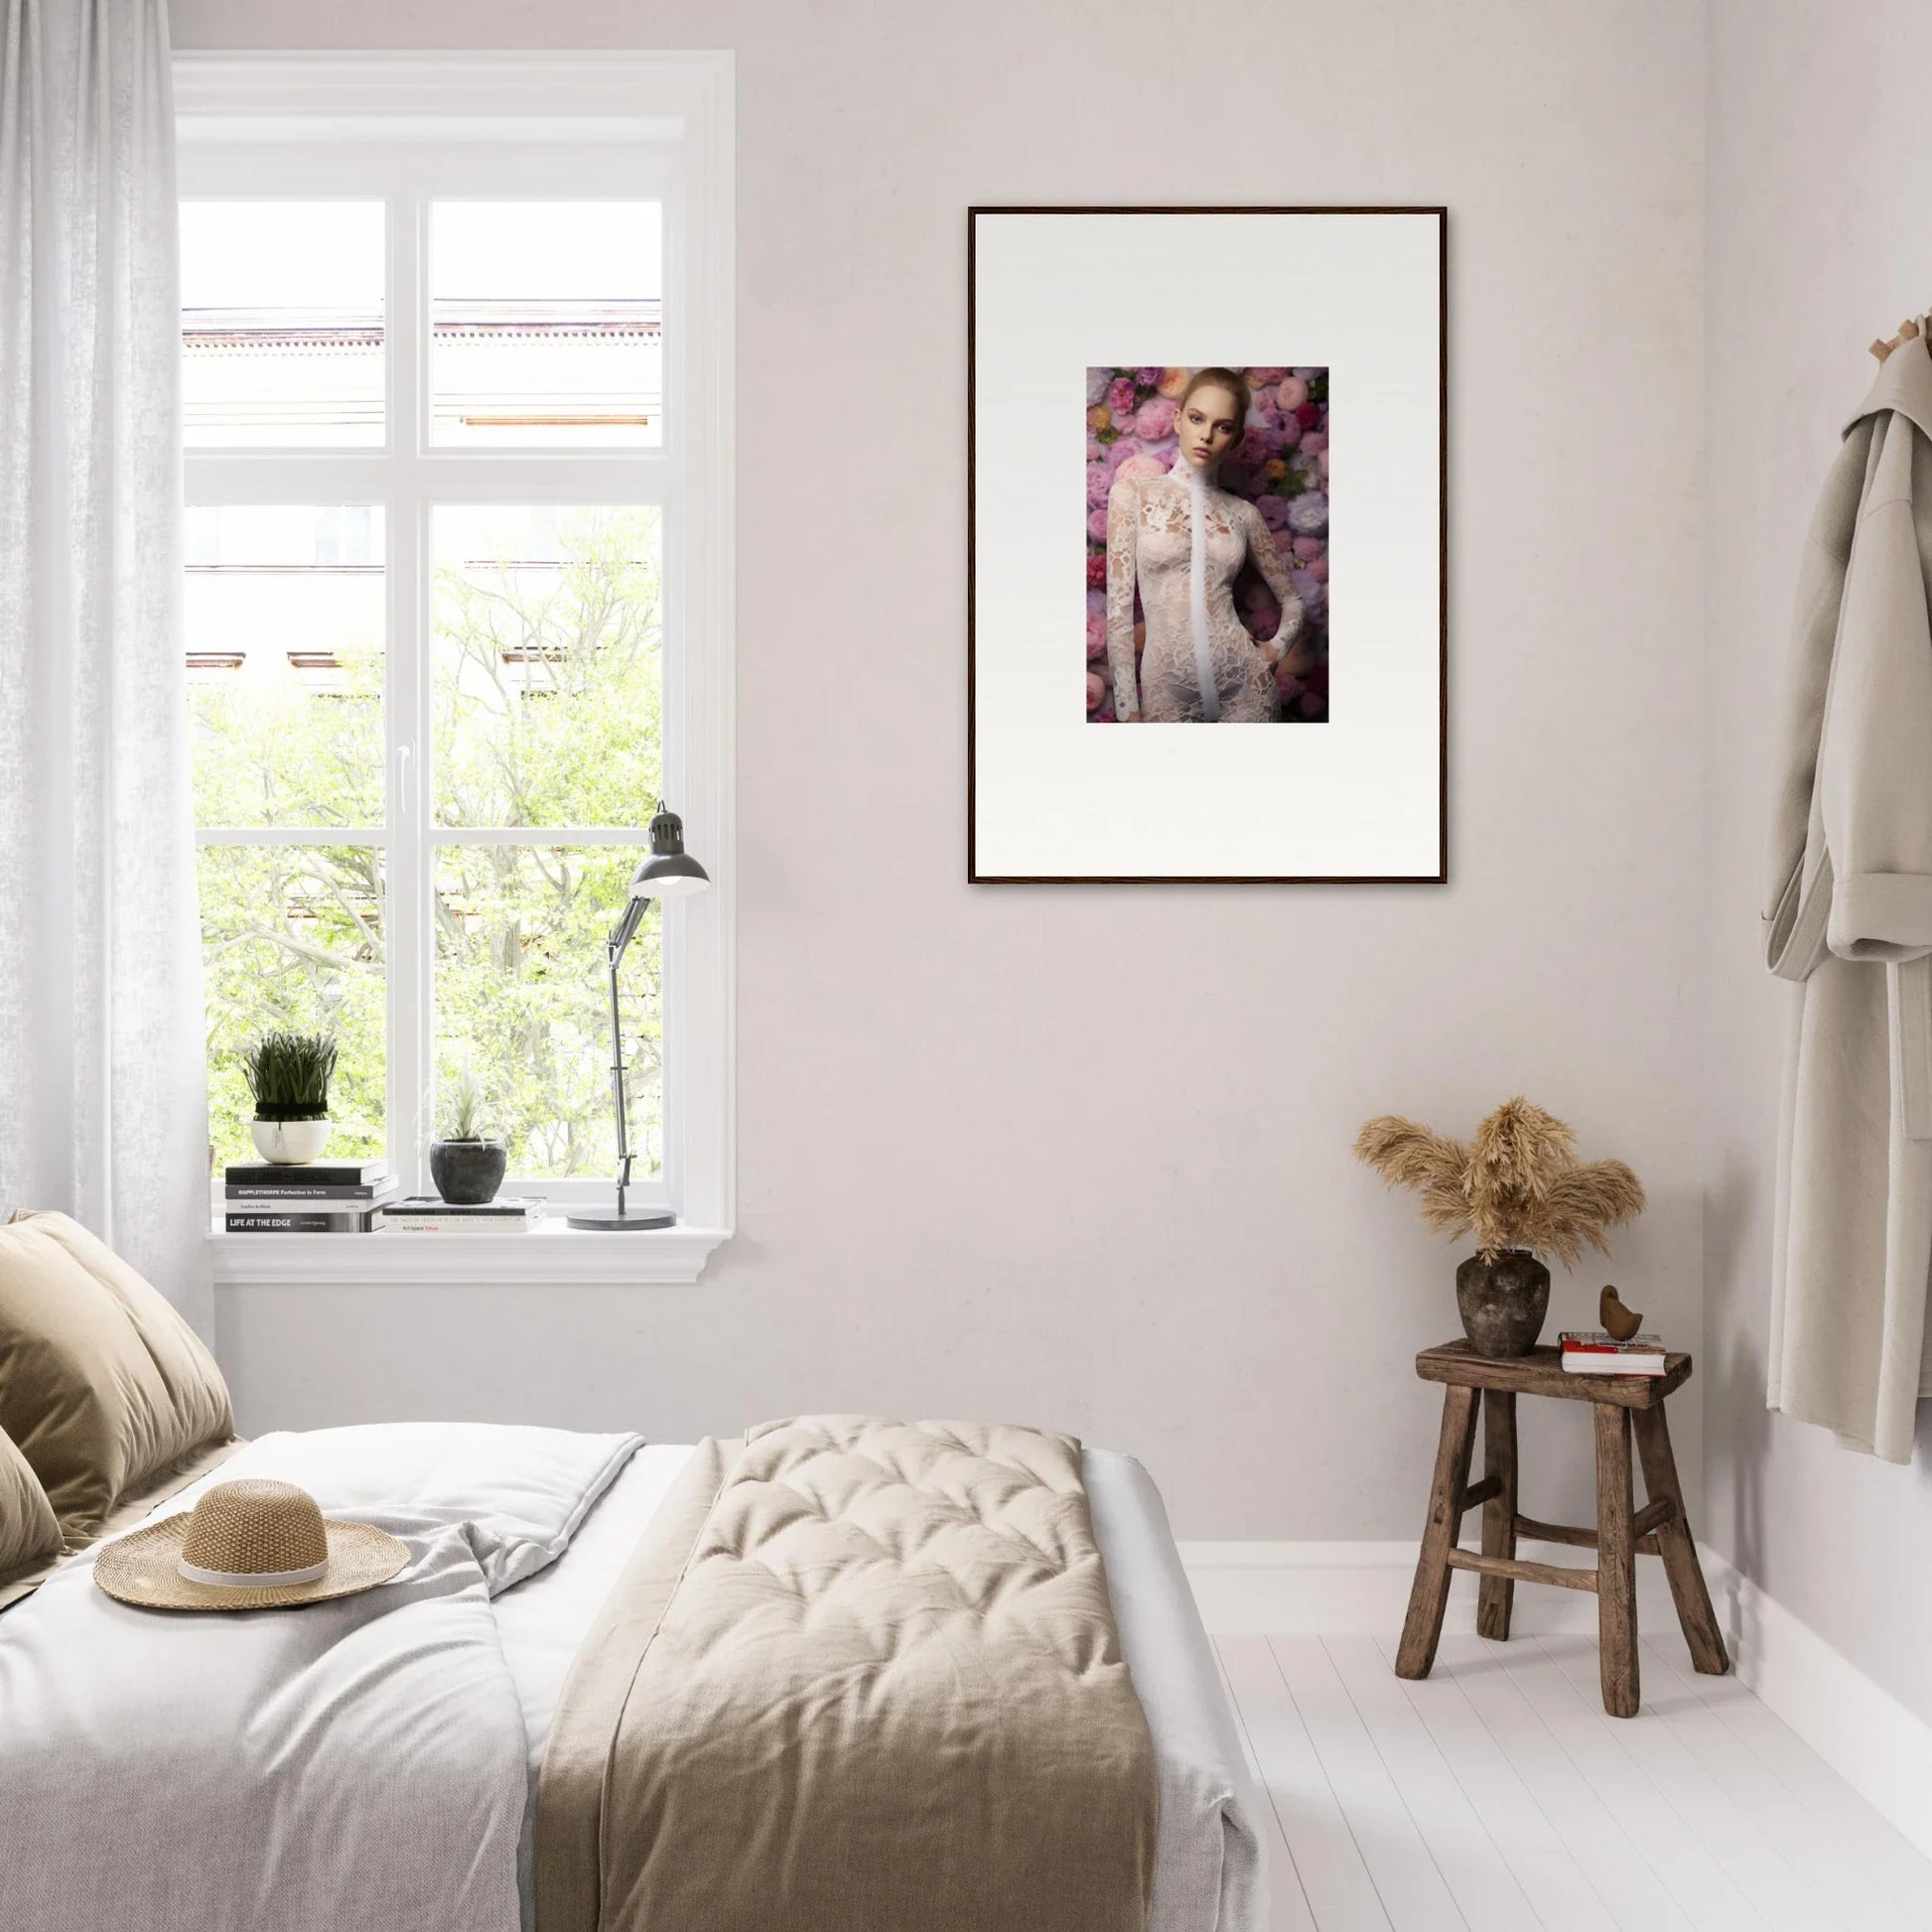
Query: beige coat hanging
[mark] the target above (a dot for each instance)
(1849, 916)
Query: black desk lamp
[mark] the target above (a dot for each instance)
(669, 872)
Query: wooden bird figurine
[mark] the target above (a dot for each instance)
(1618, 1321)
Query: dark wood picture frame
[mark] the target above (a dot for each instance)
(973, 873)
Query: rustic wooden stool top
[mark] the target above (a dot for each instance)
(1620, 1404)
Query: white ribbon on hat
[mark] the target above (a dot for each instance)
(251, 1579)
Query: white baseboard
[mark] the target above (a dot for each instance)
(1879, 1747)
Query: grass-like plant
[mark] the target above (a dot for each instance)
(289, 1075)
(1517, 1184)
(465, 1110)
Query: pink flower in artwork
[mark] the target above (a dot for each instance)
(1147, 378)
(1096, 603)
(1292, 394)
(1123, 420)
(1308, 415)
(1100, 478)
(1251, 452)
(1142, 465)
(1096, 636)
(1097, 381)
(1274, 510)
(1097, 524)
(1315, 441)
(1307, 548)
(1097, 574)
(1096, 690)
(1120, 395)
(1097, 449)
(1307, 516)
(1173, 382)
(1319, 569)
(1260, 379)
(1291, 433)
(1119, 453)
(1155, 420)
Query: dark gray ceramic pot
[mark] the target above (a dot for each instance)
(1503, 1301)
(468, 1173)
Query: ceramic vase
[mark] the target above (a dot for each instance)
(1503, 1301)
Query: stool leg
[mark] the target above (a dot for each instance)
(1423, 1628)
(1496, 1596)
(1677, 1547)
(1617, 1563)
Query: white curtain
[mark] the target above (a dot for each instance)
(102, 1077)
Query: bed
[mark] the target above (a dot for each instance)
(511, 1630)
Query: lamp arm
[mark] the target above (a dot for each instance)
(614, 948)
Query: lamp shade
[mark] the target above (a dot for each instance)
(669, 871)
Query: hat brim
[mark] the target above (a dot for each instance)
(141, 1568)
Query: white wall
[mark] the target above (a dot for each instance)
(959, 1194)
(1820, 238)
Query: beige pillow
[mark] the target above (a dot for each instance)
(29, 1534)
(102, 1385)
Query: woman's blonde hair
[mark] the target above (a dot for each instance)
(1235, 385)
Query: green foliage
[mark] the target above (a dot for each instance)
(463, 1113)
(289, 1075)
(547, 694)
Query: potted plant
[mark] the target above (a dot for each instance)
(289, 1075)
(467, 1164)
(1520, 1189)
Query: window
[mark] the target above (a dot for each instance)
(455, 340)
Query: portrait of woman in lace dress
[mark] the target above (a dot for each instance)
(1207, 530)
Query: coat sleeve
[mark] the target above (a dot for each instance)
(1875, 760)
(1795, 903)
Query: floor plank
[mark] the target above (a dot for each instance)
(1556, 1885)
(1480, 1880)
(1755, 1863)
(1697, 1881)
(1615, 1865)
(1746, 1776)
(1326, 1859)
(1407, 1881)
(1288, 1903)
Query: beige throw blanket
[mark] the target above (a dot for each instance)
(861, 1676)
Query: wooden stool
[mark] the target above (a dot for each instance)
(1659, 1529)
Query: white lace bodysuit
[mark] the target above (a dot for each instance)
(1185, 542)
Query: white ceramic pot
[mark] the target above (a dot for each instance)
(290, 1143)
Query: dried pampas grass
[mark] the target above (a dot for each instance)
(1517, 1184)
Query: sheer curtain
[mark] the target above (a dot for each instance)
(101, 1070)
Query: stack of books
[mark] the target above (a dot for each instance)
(322, 1197)
(1594, 1351)
(425, 1214)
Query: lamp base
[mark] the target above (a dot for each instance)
(632, 1218)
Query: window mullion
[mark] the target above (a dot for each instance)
(409, 745)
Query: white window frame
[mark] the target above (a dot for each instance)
(406, 128)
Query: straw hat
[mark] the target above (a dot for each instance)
(247, 1545)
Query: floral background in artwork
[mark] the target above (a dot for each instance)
(1281, 463)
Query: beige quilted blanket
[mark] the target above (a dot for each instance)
(862, 1676)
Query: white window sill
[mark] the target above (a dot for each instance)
(551, 1252)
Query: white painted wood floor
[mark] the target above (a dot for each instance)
(1496, 1795)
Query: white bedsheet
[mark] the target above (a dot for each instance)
(1208, 1874)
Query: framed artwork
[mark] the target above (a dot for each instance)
(1205, 539)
